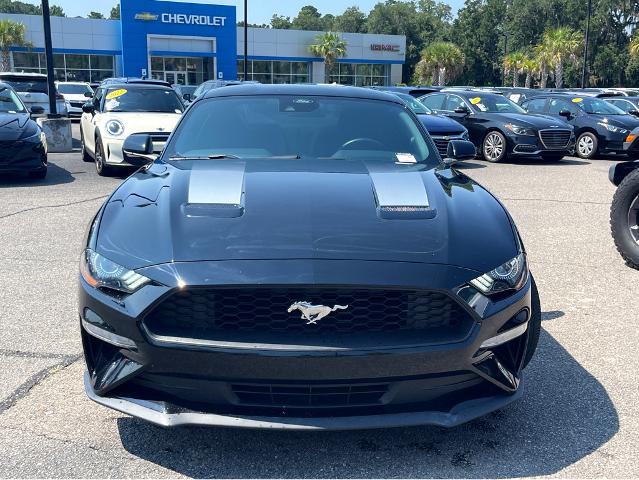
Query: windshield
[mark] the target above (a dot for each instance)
(415, 105)
(9, 102)
(142, 100)
(74, 89)
(300, 127)
(595, 105)
(22, 85)
(494, 104)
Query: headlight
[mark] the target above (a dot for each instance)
(100, 272)
(612, 128)
(115, 127)
(518, 130)
(509, 276)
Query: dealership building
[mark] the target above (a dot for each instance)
(188, 43)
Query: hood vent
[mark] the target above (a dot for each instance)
(400, 194)
(216, 191)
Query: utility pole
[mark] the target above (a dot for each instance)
(587, 35)
(48, 48)
(246, 40)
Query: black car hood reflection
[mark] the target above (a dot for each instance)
(16, 126)
(529, 120)
(303, 210)
(628, 122)
(440, 125)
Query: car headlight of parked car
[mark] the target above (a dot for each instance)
(509, 276)
(519, 130)
(115, 128)
(612, 128)
(100, 272)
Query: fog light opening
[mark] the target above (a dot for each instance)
(95, 326)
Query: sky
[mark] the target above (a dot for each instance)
(260, 11)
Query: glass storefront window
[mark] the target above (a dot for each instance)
(77, 61)
(68, 67)
(274, 71)
(360, 74)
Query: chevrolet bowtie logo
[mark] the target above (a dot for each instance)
(146, 16)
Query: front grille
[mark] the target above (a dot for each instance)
(295, 395)
(77, 104)
(442, 146)
(555, 139)
(204, 313)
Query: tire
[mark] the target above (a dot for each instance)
(38, 174)
(494, 147)
(624, 219)
(534, 325)
(552, 157)
(587, 145)
(86, 156)
(100, 163)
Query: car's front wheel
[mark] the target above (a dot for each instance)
(38, 174)
(100, 160)
(494, 147)
(587, 145)
(624, 219)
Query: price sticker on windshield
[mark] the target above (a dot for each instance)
(475, 100)
(577, 100)
(116, 93)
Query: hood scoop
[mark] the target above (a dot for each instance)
(400, 195)
(216, 192)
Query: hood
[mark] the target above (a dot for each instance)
(136, 122)
(314, 210)
(441, 125)
(16, 126)
(529, 120)
(628, 122)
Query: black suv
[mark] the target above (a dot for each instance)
(600, 127)
(500, 128)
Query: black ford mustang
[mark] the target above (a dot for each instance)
(23, 146)
(301, 257)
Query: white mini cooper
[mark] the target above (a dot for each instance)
(120, 109)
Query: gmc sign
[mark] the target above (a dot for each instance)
(382, 47)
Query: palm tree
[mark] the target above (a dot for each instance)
(514, 62)
(543, 57)
(562, 44)
(330, 47)
(440, 60)
(531, 68)
(12, 34)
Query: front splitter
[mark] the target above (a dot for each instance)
(154, 412)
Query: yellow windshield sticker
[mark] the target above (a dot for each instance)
(475, 100)
(577, 100)
(116, 93)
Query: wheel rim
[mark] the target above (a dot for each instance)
(633, 220)
(99, 161)
(586, 145)
(493, 146)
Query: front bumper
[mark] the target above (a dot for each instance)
(22, 157)
(249, 385)
(529, 146)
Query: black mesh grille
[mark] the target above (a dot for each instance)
(555, 138)
(442, 146)
(295, 395)
(199, 313)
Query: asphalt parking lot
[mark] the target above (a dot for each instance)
(579, 416)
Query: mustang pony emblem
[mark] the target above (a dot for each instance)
(313, 313)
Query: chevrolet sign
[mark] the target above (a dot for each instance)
(184, 19)
(146, 16)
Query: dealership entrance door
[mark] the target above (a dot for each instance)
(183, 70)
(176, 78)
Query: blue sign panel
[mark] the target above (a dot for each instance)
(142, 20)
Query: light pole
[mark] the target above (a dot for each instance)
(48, 48)
(503, 72)
(587, 34)
(245, 40)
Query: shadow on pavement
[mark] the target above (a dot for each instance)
(564, 415)
(565, 162)
(469, 166)
(55, 176)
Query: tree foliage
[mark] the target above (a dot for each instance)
(330, 47)
(440, 61)
(115, 13)
(13, 6)
(12, 34)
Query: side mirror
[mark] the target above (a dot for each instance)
(187, 97)
(459, 150)
(37, 110)
(633, 112)
(462, 110)
(566, 114)
(88, 107)
(138, 150)
(88, 94)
